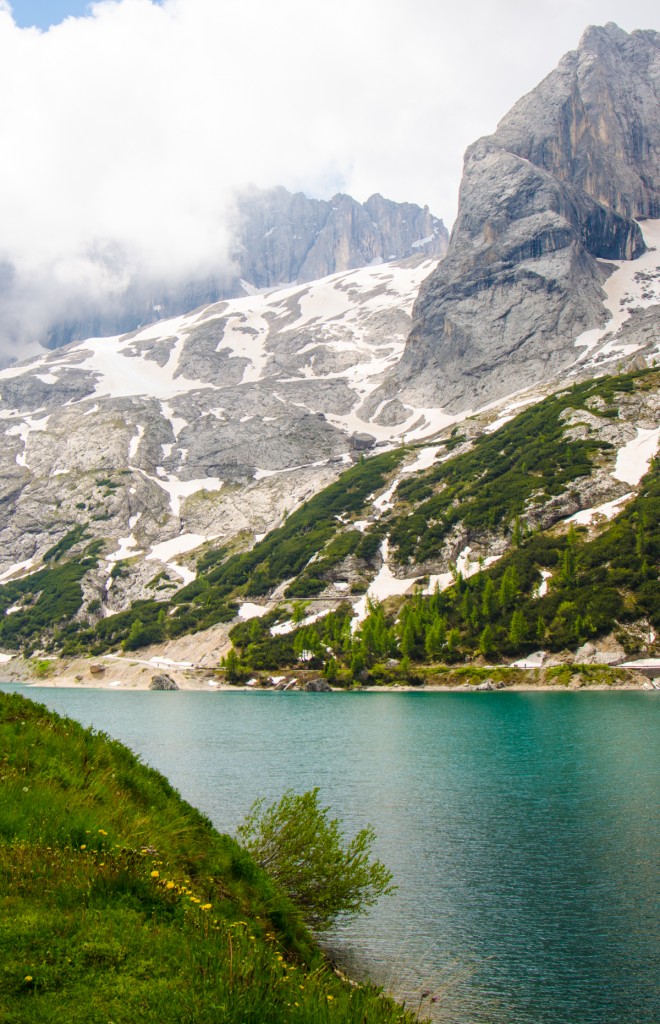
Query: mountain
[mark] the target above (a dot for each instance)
(546, 204)
(207, 427)
(278, 237)
(376, 431)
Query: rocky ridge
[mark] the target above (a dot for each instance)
(277, 237)
(546, 203)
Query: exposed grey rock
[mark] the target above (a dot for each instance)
(318, 686)
(214, 428)
(279, 237)
(553, 190)
(162, 682)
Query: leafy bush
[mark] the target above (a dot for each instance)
(303, 850)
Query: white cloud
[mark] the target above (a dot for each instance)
(124, 132)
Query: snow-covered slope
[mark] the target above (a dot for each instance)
(202, 427)
(210, 427)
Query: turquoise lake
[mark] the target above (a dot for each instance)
(522, 829)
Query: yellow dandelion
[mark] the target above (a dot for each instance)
(103, 832)
(84, 846)
(206, 906)
(155, 874)
(330, 998)
(28, 978)
(169, 885)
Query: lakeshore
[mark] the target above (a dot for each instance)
(120, 673)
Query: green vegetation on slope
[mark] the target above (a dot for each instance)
(511, 472)
(597, 585)
(119, 902)
(504, 487)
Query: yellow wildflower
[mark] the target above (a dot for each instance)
(84, 846)
(169, 885)
(28, 977)
(155, 874)
(206, 906)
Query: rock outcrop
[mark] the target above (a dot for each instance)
(557, 188)
(279, 237)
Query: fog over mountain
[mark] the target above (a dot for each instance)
(127, 133)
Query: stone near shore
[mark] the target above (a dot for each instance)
(318, 686)
(162, 682)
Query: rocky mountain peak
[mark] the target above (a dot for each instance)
(555, 190)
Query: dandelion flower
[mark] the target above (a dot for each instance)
(206, 906)
(28, 977)
(169, 885)
(155, 874)
(84, 846)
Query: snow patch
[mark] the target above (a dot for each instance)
(633, 460)
(630, 286)
(542, 588)
(135, 443)
(252, 611)
(607, 510)
(21, 567)
(125, 550)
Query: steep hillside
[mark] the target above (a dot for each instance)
(121, 902)
(537, 529)
(209, 427)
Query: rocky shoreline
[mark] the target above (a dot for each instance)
(118, 673)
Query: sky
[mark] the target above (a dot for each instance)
(126, 125)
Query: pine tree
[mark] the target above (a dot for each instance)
(486, 644)
(436, 637)
(518, 628)
(509, 588)
(489, 601)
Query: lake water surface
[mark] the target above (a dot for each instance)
(522, 829)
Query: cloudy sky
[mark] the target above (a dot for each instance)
(126, 124)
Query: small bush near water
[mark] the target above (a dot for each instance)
(120, 903)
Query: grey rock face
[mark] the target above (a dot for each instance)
(556, 188)
(279, 237)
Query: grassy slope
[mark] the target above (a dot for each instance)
(120, 903)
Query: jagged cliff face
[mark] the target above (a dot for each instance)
(285, 237)
(279, 237)
(556, 189)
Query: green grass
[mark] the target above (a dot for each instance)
(120, 903)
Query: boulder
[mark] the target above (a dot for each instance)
(162, 682)
(318, 686)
